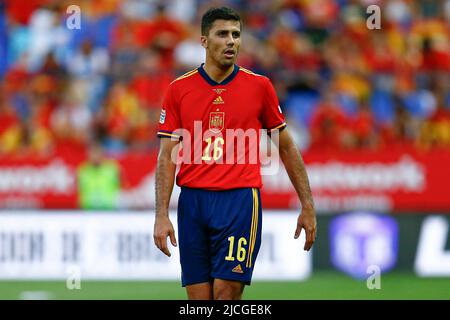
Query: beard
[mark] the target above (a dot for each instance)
(227, 63)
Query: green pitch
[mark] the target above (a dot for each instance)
(322, 285)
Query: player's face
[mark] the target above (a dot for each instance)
(223, 42)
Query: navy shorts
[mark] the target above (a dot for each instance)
(219, 234)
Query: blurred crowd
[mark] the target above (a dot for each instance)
(342, 85)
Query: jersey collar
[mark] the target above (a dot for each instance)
(215, 83)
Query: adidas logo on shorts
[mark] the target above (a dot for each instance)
(238, 269)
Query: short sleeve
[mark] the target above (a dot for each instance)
(273, 117)
(169, 120)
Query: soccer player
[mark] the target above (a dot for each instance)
(219, 209)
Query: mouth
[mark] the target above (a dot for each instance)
(229, 53)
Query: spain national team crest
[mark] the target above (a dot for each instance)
(216, 121)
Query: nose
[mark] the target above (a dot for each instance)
(230, 40)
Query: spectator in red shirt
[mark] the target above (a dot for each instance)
(329, 126)
(363, 128)
(10, 126)
(162, 33)
(151, 80)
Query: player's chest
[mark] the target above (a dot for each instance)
(221, 107)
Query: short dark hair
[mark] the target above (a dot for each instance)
(213, 14)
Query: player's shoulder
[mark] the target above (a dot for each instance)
(252, 76)
(186, 77)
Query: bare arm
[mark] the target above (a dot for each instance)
(295, 168)
(165, 176)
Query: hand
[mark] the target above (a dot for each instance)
(307, 221)
(163, 228)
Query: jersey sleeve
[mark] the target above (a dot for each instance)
(169, 120)
(272, 117)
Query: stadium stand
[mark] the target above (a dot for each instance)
(345, 86)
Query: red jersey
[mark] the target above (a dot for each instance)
(219, 125)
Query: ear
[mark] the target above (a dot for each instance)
(204, 41)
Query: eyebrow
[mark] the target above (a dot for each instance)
(226, 30)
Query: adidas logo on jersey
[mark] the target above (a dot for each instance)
(218, 100)
(238, 269)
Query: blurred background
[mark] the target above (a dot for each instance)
(80, 98)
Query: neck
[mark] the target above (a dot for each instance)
(217, 73)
